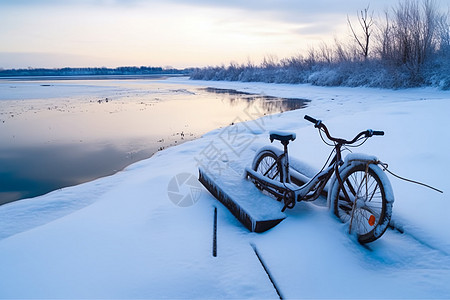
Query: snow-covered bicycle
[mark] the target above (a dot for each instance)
(359, 192)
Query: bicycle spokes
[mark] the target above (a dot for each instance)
(364, 206)
(269, 168)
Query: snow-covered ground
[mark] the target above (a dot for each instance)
(123, 237)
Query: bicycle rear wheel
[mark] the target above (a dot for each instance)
(267, 164)
(368, 209)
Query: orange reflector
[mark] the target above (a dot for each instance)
(372, 220)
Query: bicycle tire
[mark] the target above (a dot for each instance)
(369, 217)
(267, 164)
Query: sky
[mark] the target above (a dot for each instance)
(169, 33)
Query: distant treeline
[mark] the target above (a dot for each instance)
(91, 71)
(408, 47)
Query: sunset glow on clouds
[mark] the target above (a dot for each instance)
(178, 33)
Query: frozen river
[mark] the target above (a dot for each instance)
(56, 133)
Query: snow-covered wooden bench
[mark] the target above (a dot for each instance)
(255, 210)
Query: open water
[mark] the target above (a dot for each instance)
(62, 132)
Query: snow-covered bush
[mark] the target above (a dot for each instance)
(410, 49)
(326, 77)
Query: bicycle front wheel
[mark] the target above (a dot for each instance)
(368, 208)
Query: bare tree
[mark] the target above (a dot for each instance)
(366, 24)
(443, 33)
(270, 61)
(326, 53)
(341, 51)
(311, 58)
(412, 34)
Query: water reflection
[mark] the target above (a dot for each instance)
(59, 133)
(267, 104)
(30, 171)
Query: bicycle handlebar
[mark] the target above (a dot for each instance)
(311, 119)
(375, 132)
(367, 133)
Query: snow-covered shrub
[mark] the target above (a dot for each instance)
(411, 48)
(326, 77)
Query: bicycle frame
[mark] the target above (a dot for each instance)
(352, 182)
(292, 192)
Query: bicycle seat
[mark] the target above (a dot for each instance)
(282, 136)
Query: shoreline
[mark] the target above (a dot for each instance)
(115, 151)
(89, 77)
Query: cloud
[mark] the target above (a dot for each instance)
(325, 14)
(148, 31)
(292, 8)
(316, 17)
(69, 3)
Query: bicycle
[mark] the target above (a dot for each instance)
(359, 192)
